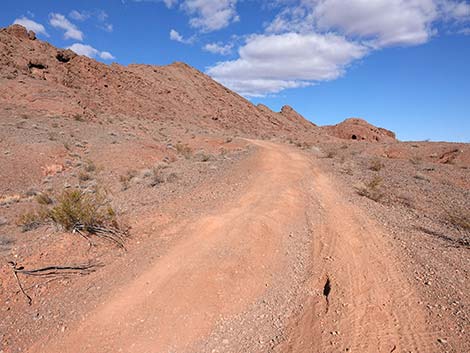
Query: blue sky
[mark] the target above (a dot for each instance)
(400, 64)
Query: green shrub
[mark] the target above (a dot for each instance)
(76, 210)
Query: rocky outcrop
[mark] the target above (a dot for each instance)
(360, 130)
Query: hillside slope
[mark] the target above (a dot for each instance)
(37, 76)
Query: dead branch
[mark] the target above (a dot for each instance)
(50, 271)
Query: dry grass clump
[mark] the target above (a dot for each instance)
(458, 218)
(90, 166)
(84, 176)
(184, 150)
(126, 178)
(43, 199)
(376, 165)
(331, 154)
(31, 220)
(157, 177)
(372, 190)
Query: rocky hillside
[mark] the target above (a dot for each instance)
(37, 76)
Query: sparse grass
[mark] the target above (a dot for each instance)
(372, 190)
(31, 220)
(44, 199)
(458, 218)
(376, 165)
(79, 117)
(84, 176)
(330, 154)
(90, 166)
(416, 160)
(126, 179)
(184, 150)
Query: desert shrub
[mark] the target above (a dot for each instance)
(372, 189)
(43, 199)
(184, 150)
(31, 220)
(157, 177)
(126, 178)
(457, 218)
(79, 117)
(84, 176)
(172, 177)
(330, 154)
(416, 160)
(90, 166)
(76, 210)
(376, 165)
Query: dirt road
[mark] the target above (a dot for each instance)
(288, 265)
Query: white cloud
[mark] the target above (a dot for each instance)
(217, 48)
(88, 50)
(99, 16)
(211, 15)
(79, 15)
(381, 23)
(465, 31)
(31, 25)
(106, 55)
(455, 10)
(271, 63)
(71, 31)
(170, 3)
(176, 36)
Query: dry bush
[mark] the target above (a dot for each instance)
(416, 160)
(43, 199)
(157, 177)
(376, 165)
(31, 220)
(458, 218)
(90, 166)
(84, 176)
(126, 178)
(184, 150)
(331, 154)
(372, 190)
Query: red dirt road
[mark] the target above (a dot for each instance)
(230, 258)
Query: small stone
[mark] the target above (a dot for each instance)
(442, 340)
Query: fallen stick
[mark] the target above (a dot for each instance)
(50, 271)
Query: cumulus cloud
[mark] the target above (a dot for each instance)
(31, 25)
(89, 51)
(58, 20)
(176, 36)
(271, 63)
(211, 15)
(217, 48)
